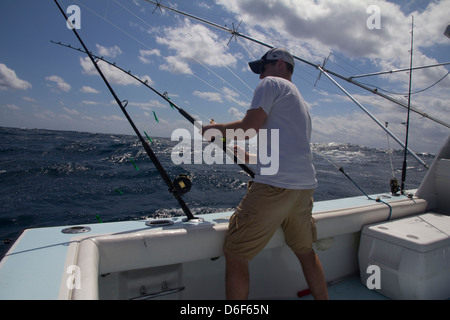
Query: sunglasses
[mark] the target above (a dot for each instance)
(265, 63)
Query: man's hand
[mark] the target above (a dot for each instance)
(253, 120)
(211, 130)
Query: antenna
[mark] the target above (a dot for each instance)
(158, 6)
(323, 66)
(234, 33)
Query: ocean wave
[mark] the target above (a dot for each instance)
(57, 177)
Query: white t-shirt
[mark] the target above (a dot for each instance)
(287, 116)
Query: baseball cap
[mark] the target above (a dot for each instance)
(274, 54)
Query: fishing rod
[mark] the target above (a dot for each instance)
(402, 186)
(164, 96)
(175, 187)
(235, 33)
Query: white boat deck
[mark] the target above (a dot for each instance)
(35, 266)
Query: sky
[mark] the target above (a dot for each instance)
(47, 86)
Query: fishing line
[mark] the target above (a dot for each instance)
(191, 57)
(113, 64)
(351, 67)
(416, 92)
(240, 79)
(206, 67)
(114, 25)
(164, 96)
(217, 89)
(341, 169)
(393, 182)
(107, 8)
(221, 78)
(246, 48)
(390, 153)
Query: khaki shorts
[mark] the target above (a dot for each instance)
(262, 211)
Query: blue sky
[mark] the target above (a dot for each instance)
(43, 85)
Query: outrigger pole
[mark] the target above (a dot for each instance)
(322, 69)
(172, 187)
(183, 112)
(376, 120)
(399, 70)
(235, 33)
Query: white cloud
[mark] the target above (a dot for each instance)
(143, 54)
(176, 65)
(108, 52)
(232, 96)
(29, 99)
(72, 112)
(148, 80)
(90, 103)
(359, 128)
(235, 113)
(86, 89)
(431, 23)
(210, 96)
(328, 24)
(11, 107)
(205, 5)
(311, 29)
(87, 118)
(45, 115)
(194, 43)
(57, 83)
(113, 118)
(148, 105)
(9, 79)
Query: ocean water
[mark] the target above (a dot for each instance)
(55, 178)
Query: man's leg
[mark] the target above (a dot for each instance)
(250, 229)
(314, 275)
(236, 278)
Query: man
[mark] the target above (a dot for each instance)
(283, 198)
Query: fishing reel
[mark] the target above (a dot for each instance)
(394, 186)
(182, 184)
